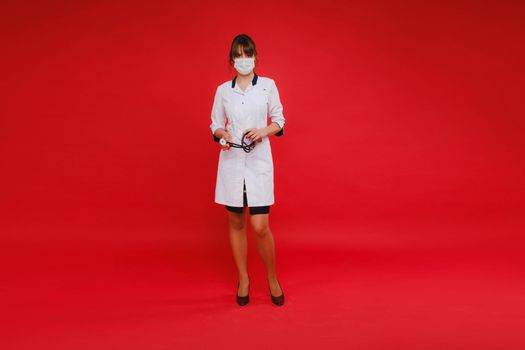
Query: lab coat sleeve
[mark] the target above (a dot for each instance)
(276, 108)
(218, 114)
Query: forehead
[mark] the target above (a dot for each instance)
(239, 49)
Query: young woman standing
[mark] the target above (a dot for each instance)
(245, 170)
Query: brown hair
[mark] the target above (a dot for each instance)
(247, 45)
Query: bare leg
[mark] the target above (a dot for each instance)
(266, 248)
(239, 244)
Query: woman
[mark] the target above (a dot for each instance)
(245, 170)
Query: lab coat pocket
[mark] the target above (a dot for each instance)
(266, 183)
(227, 163)
(261, 101)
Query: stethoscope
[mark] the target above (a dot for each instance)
(245, 146)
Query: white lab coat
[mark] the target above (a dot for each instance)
(236, 110)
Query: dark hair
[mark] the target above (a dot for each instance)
(247, 45)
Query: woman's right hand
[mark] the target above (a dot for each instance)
(228, 138)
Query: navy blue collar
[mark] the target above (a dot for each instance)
(254, 80)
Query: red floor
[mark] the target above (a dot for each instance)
(395, 285)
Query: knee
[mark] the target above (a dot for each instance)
(237, 224)
(260, 230)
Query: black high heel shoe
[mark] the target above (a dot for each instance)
(277, 300)
(245, 299)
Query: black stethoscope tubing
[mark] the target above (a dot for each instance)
(247, 147)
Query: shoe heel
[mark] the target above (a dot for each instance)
(242, 300)
(277, 300)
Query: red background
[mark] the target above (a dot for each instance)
(399, 182)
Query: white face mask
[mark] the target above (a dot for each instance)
(244, 65)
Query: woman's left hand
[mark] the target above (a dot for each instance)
(255, 134)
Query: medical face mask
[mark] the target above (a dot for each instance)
(244, 65)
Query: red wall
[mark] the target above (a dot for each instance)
(393, 110)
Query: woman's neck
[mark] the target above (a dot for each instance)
(245, 78)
